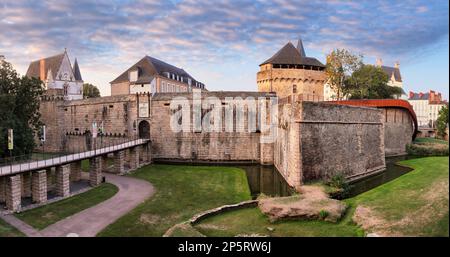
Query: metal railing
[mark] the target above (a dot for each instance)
(8, 167)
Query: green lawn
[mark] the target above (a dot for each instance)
(8, 231)
(415, 204)
(46, 215)
(181, 192)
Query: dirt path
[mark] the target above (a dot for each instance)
(89, 222)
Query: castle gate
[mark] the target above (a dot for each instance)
(144, 129)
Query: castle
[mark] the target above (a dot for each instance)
(58, 75)
(311, 139)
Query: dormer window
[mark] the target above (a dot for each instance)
(133, 75)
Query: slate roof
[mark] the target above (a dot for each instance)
(392, 70)
(51, 63)
(148, 67)
(289, 54)
(76, 71)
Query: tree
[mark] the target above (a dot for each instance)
(341, 63)
(19, 110)
(90, 91)
(369, 82)
(442, 121)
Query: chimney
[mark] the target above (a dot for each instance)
(379, 62)
(42, 69)
(411, 94)
(397, 65)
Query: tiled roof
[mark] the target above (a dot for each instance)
(416, 96)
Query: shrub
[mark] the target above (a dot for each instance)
(427, 149)
(340, 183)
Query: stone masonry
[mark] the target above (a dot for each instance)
(39, 186)
(63, 180)
(13, 190)
(26, 184)
(134, 158)
(119, 159)
(75, 171)
(2, 189)
(95, 172)
(320, 140)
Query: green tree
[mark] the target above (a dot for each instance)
(369, 82)
(341, 63)
(19, 110)
(90, 91)
(442, 121)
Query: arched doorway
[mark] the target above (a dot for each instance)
(144, 129)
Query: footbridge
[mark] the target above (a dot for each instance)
(54, 176)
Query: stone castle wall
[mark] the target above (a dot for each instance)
(69, 123)
(314, 140)
(319, 140)
(204, 146)
(398, 130)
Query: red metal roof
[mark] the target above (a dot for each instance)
(383, 103)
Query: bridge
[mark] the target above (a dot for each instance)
(34, 178)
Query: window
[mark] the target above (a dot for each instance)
(66, 89)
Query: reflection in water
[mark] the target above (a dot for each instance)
(266, 180)
(392, 172)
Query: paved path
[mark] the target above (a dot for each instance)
(20, 225)
(89, 222)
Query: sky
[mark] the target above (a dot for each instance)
(222, 42)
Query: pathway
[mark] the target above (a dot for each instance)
(91, 221)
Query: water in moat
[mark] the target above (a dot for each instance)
(267, 179)
(392, 172)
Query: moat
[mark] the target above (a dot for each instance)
(267, 180)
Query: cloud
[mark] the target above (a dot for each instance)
(108, 36)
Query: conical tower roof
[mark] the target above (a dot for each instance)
(289, 54)
(300, 48)
(76, 71)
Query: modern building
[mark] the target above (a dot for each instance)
(426, 106)
(150, 75)
(59, 75)
(291, 72)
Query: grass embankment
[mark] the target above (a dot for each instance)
(8, 231)
(181, 192)
(46, 215)
(415, 204)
